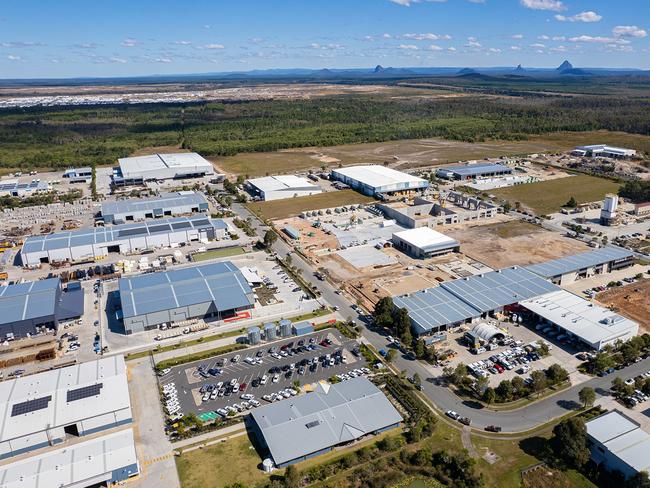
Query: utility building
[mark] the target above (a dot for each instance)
(13, 188)
(473, 171)
(284, 186)
(97, 242)
(140, 169)
(424, 242)
(166, 205)
(375, 180)
(79, 175)
(216, 290)
(315, 423)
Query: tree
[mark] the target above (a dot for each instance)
(572, 203)
(420, 349)
(504, 390)
(587, 396)
(600, 362)
(543, 348)
(383, 314)
(570, 442)
(390, 355)
(269, 238)
(482, 384)
(417, 381)
(539, 381)
(639, 480)
(518, 385)
(557, 374)
(489, 395)
(459, 374)
(291, 477)
(507, 207)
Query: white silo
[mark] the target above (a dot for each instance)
(608, 212)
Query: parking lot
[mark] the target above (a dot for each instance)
(191, 383)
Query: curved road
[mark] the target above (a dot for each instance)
(519, 420)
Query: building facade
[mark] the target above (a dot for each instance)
(166, 205)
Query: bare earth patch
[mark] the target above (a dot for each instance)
(633, 301)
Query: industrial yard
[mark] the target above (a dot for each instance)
(631, 301)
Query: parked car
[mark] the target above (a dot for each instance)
(493, 428)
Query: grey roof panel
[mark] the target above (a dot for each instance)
(577, 262)
(477, 169)
(164, 201)
(30, 300)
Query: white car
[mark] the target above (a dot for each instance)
(268, 398)
(452, 414)
(276, 378)
(233, 382)
(246, 396)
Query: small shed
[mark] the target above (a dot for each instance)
(302, 328)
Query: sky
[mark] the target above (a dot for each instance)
(72, 38)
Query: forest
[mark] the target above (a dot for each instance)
(59, 137)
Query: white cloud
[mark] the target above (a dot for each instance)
(477, 1)
(559, 38)
(117, 60)
(408, 3)
(426, 37)
(543, 37)
(628, 31)
(213, 46)
(55, 61)
(183, 43)
(494, 50)
(387, 36)
(517, 36)
(554, 5)
(589, 16)
(411, 47)
(433, 47)
(163, 60)
(538, 45)
(13, 57)
(515, 48)
(558, 49)
(451, 49)
(473, 42)
(591, 39)
(129, 42)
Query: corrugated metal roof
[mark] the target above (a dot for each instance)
(426, 239)
(286, 183)
(376, 176)
(113, 396)
(136, 166)
(107, 235)
(29, 300)
(165, 200)
(72, 464)
(476, 169)
(577, 262)
(221, 283)
(324, 418)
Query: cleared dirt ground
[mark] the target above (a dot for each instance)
(512, 243)
(633, 301)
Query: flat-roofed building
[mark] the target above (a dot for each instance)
(642, 208)
(375, 180)
(46, 409)
(217, 290)
(312, 424)
(166, 205)
(580, 319)
(603, 151)
(139, 169)
(619, 444)
(98, 242)
(583, 265)
(473, 171)
(424, 242)
(79, 175)
(271, 188)
(13, 188)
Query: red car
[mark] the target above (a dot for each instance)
(242, 387)
(499, 368)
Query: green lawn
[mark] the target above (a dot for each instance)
(549, 196)
(217, 253)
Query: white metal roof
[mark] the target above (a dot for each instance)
(425, 238)
(623, 438)
(133, 167)
(283, 183)
(78, 463)
(580, 317)
(374, 175)
(61, 409)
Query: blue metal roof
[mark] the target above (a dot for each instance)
(166, 201)
(220, 283)
(477, 169)
(577, 262)
(30, 300)
(104, 235)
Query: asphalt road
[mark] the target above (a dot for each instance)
(245, 373)
(519, 420)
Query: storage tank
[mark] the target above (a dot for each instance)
(608, 212)
(270, 331)
(254, 335)
(267, 465)
(285, 328)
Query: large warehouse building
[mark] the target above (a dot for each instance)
(317, 422)
(473, 171)
(97, 242)
(216, 290)
(37, 306)
(166, 205)
(575, 317)
(619, 444)
(13, 188)
(375, 180)
(424, 242)
(603, 151)
(278, 187)
(139, 169)
(572, 268)
(460, 301)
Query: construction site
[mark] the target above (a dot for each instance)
(631, 301)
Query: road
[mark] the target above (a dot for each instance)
(520, 420)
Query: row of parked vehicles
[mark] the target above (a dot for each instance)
(281, 395)
(638, 396)
(220, 389)
(172, 405)
(505, 360)
(554, 333)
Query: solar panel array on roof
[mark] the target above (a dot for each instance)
(83, 392)
(459, 300)
(577, 262)
(30, 406)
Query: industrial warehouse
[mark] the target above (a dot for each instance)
(13, 188)
(424, 242)
(284, 186)
(216, 290)
(79, 175)
(139, 169)
(572, 268)
(317, 422)
(37, 306)
(46, 415)
(97, 242)
(459, 301)
(473, 171)
(603, 151)
(166, 205)
(574, 317)
(375, 180)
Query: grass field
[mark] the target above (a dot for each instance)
(548, 196)
(217, 253)
(280, 209)
(417, 152)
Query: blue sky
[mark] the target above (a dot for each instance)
(140, 37)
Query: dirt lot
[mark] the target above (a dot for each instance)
(548, 197)
(631, 301)
(280, 209)
(512, 243)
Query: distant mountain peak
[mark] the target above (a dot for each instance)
(565, 66)
(379, 69)
(466, 71)
(519, 68)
